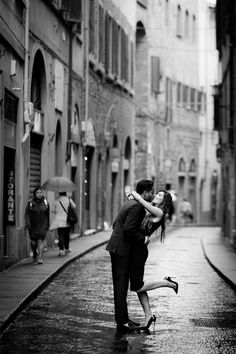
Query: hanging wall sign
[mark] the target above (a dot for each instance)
(11, 197)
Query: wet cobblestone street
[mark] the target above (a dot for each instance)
(75, 313)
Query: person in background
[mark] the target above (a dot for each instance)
(60, 223)
(186, 212)
(37, 223)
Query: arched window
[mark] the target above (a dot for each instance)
(182, 165)
(38, 81)
(179, 22)
(192, 166)
(75, 121)
(140, 30)
(179, 93)
(194, 29)
(167, 13)
(186, 24)
(115, 142)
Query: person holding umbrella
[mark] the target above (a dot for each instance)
(61, 185)
(60, 223)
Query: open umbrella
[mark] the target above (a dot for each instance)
(59, 184)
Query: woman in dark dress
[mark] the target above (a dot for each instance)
(37, 223)
(155, 218)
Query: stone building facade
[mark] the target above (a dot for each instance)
(225, 114)
(67, 108)
(169, 98)
(110, 114)
(209, 168)
(38, 97)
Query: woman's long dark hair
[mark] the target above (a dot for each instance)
(148, 226)
(165, 206)
(38, 188)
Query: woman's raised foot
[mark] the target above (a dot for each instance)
(174, 282)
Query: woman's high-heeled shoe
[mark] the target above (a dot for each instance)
(174, 282)
(151, 319)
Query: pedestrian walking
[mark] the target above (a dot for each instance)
(155, 218)
(59, 222)
(186, 212)
(37, 223)
(126, 232)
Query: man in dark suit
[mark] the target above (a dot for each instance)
(126, 231)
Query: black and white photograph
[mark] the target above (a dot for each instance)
(118, 176)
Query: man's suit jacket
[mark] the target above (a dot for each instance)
(126, 229)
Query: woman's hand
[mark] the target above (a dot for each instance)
(136, 196)
(154, 210)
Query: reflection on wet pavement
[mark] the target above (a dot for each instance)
(75, 313)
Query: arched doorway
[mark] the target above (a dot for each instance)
(38, 98)
(107, 194)
(89, 190)
(90, 179)
(100, 194)
(192, 186)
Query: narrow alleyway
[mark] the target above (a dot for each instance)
(75, 313)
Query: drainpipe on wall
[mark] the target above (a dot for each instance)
(68, 150)
(232, 233)
(27, 119)
(84, 123)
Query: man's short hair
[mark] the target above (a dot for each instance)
(145, 185)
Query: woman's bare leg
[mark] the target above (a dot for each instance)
(144, 301)
(143, 295)
(155, 285)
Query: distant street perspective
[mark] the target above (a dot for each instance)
(75, 313)
(117, 132)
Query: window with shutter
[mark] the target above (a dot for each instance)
(179, 93)
(186, 24)
(167, 13)
(75, 10)
(101, 35)
(114, 48)
(179, 22)
(107, 42)
(91, 27)
(59, 85)
(155, 74)
(10, 106)
(132, 64)
(169, 99)
(185, 95)
(194, 29)
(192, 99)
